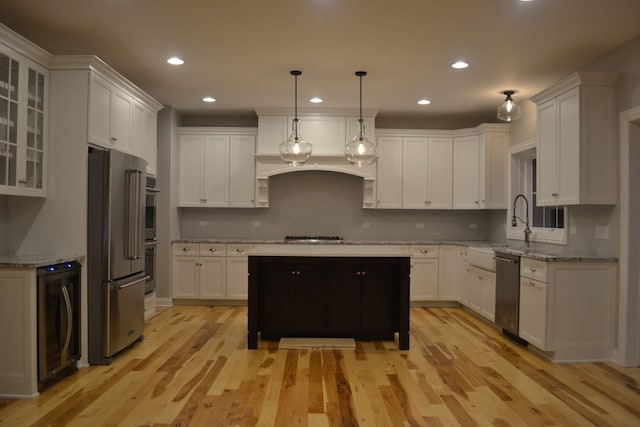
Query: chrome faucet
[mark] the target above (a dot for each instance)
(514, 222)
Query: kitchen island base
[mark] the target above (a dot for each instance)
(365, 298)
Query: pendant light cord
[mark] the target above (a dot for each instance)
(295, 74)
(361, 130)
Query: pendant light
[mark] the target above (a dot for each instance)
(361, 151)
(295, 150)
(508, 111)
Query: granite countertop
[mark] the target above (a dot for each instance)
(36, 261)
(542, 256)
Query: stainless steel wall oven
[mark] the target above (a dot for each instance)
(58, 321)
(150, 235)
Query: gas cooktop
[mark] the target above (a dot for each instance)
(313, 239)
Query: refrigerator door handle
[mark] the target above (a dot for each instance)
(133, 213)
(144, 279)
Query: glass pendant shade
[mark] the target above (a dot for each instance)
(508, 111)
(361, 151)
(295, 150)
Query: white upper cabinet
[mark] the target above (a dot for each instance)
(466, 158)
(480, 168)
(327, 133)
(576, 141)
(216, 167)
(23, 125)
(144, 135)
(110, 115)
(389, 173)
(427, 180)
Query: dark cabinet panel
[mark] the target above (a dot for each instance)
(363, 298)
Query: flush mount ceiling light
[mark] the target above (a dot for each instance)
(508, 111)
(459, 65)
(295, 150)
(209, 99)
(361, 151)
(175, 61)
(424, 102)
(316, 100)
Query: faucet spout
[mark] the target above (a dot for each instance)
(514, 219)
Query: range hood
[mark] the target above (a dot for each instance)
(328, 131)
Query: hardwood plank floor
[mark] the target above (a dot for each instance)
(193, 368)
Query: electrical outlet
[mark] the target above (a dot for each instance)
(419, 225)
(203, 223)
(473, 226)
(573, 230)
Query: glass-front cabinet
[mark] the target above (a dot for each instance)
(23, 96)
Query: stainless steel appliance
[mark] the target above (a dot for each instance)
(58, 321)
(508, 295)
(150, 237)
(115, 260)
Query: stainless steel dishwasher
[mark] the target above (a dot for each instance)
(508, 295)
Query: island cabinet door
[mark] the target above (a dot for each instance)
(343, 289)
(277, 282)
(311, 299)
(378, 287)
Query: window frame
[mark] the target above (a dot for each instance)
(519, 182)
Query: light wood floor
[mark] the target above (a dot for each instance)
(193, 369)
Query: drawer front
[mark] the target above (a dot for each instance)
(533, 269)
(238, 249)
(213, 249)
(189, 249)
(424, 251)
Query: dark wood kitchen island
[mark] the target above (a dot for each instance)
(360, 297)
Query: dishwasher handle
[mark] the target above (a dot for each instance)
(510, 261)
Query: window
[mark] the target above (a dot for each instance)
(547, 223)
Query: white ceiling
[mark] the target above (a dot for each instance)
(241, 51)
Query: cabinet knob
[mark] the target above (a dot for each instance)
(480, 277)
(186, 249)
(364, 273)
(424, 251)
(293, 272)
(298, 272)
(357, 273)
(240, 250)
(533, 269)
(476, 202)
(113, 139)
(212, 249)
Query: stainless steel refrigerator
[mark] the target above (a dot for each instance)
(115, 252)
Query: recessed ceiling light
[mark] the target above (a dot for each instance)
(424, 102)
(209, 99)
(175, 61)
(316, 100)
(459, 65)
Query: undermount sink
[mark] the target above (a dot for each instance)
(482, 257)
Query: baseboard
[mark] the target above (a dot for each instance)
(164, 302)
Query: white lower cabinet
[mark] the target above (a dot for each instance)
(210, 271)
(533, 312)
(237, 271)
(424, 273)
(449, 272)
(566, 308)
(199, 271)
(481, 292)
